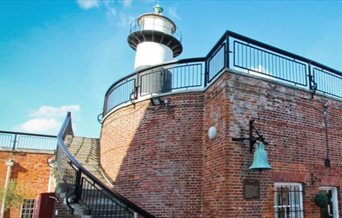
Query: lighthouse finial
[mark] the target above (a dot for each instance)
(157, 9)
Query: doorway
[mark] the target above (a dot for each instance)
(331, 211)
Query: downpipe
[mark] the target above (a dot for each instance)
(9, 164)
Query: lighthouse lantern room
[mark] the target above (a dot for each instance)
(155, 39)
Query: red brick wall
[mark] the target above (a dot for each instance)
(216, 184)
(30, 172)
(154, 155)
(291, 122)
(162, 159)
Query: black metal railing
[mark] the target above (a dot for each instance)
(235, 52)
(262, 61)
(327, 82)
(187, 74)
(15, 141)
(216, 62)
(86, 189)
(170, 78)
(254, 57)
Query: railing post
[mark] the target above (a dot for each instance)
(310, 76)
(137, 86)
(14, 142)
(226, 52)
(78, 186)
(312, 83)
(206, 72)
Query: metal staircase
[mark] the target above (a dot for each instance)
(84, 186)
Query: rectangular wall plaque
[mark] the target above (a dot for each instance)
(251, 189)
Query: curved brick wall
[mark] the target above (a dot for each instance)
(153, 154)
(162, 159)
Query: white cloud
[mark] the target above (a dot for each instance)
(50, 111)
(110, 9)
(111, 12)
(127, 3)
(46, 119)
(113, 9)
(88, 4)
(125, 20)
(37, 125)
(172, 12)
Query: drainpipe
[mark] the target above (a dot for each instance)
(52, 180)
(9, 164)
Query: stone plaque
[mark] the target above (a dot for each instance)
(251, 189)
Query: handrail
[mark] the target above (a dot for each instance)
(29, 134)
(81, 171)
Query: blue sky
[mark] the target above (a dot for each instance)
(58, 56)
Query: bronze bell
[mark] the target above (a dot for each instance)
(260, 161)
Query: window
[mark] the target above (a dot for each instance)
(288, 200)
(27, 208)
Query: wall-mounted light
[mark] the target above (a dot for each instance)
(260, 160)
(156, 101)
(212, 132)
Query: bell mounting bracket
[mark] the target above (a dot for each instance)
(252, 139)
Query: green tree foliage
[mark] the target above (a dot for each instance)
(14, 195)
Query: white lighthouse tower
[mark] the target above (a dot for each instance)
(154, 38)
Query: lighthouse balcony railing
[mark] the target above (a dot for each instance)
(182, 75)
(236, 53)
(156, 25)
